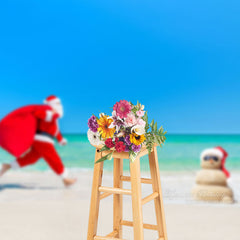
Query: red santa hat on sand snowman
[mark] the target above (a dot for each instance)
(222, 154)
(55, 103)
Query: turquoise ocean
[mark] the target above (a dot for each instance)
(179, 153)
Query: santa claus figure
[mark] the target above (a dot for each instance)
(28, 133)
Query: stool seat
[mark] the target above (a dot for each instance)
(100, 192)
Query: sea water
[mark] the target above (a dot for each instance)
(179, 153)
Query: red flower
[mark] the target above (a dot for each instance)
(120, 147)
(109, 143)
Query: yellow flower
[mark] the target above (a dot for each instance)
(103, 128)
(137, 139)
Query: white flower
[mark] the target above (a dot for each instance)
(111, 125)
(101, 115)
(141, 122)
(117, 121)
(120, 134)
(114, 114)
(140, 113)
(94, 138)
(138, 129)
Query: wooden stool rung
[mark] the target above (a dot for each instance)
(145, 225)
(149, 198)
(104, 195)
(112, 234)
(106, 238)
(161, 238)
(143, 180)
(115, 190)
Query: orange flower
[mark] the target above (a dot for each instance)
(104, 122)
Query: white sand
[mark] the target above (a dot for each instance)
(36, 206)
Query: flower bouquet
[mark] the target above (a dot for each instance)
(127, 130)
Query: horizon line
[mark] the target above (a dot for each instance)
(84, 133)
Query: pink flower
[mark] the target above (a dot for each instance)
(122, 108)
(141, 122)
(131, 119)
(140, 113)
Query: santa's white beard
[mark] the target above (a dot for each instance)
(58, 108)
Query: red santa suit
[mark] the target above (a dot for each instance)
(43, 144)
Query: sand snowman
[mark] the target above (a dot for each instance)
(211, 181)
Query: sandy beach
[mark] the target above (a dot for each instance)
(35, 205)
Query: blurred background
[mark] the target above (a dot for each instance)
(178, 58)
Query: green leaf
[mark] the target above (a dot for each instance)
(160, 129)
(159, 140)
(132, 156)
(145, 117)
(107, 157)
(152, 123)
(104, 148)
(155, 127)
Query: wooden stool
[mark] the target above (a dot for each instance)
(99, 192)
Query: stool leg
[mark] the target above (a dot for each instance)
(156, 184)
(136, 199)
(95, 198)
(117, 198)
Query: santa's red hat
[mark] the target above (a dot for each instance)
(52, 99)
(55, 103)
(221, 153)
(224, 157)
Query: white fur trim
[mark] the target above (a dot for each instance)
(55, 100)
(63, 141)
(64, 174)
(49, 116)
(212, 151)
(14, 164)
(43, 138)
(58, 108)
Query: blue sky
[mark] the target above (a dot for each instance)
(179, 58)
